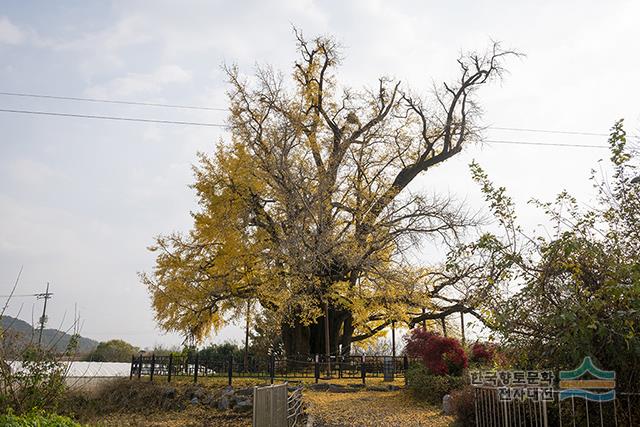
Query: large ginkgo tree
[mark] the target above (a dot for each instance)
(307, 210)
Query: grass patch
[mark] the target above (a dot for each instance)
(37, 419)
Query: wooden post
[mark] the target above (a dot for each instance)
(170, 367)
(272, 367)
(139, 366)
(363, 369)
(230, 368)
(327, 344)
(286, 367)
(133, 361)
(153, 366)
(405, 365)
(196, 367)
(393, 341)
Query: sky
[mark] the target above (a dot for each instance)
(80, 199)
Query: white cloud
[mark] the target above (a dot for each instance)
(32, 174)
(135, 83)
(10, 33)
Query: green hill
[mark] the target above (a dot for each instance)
(22, 333)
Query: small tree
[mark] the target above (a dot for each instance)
(113, 351)
(221, 352)
(32, 376)
(558, 298)
(440, 355)
(482, 352)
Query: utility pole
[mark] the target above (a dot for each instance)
(46, 295)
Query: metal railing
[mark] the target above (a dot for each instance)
(294, 406)
(316, 367)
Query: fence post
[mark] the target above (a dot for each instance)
(195, 369)
(363, 369)
(272, 367)
(340, 362)
(316, 369)
(153, 366)
(139, 366)
(405, 365)
(170, 367)
(286, 368)
(133, 361)
(230, 372)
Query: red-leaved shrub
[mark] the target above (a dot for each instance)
(482, 352)
(441, 355)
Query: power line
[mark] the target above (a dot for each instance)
(21, 295)
(126, 119)
(132, 119)
(198, 107)
(110, 101)
(562, 132)
(548, 144)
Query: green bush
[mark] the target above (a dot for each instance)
(431, 388)
(38, 383)
(36, 419)
(221, 352)
(113, 351)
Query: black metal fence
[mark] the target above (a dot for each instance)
(316, 367)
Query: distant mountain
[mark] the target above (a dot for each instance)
(21, 333)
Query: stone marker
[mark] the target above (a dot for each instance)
(447, 405)
(388, 367)
(223, 403)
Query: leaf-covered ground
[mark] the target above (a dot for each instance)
(195, 416)
(372, 408)
(141, 403)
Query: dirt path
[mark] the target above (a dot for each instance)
(372, 408)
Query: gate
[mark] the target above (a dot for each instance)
(273, 407)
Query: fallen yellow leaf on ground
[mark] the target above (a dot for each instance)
(372, 408)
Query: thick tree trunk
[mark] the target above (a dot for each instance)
(296, 338)
(347, 334)
(312, 339)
